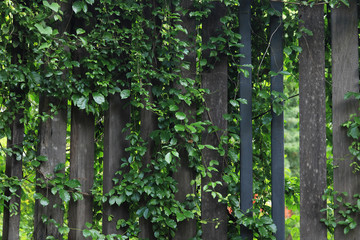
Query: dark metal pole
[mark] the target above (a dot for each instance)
(277, 126)
(246, 174)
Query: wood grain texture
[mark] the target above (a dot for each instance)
(116, 118)
(312, 124)
(11, 221)
(214, 79)
(277, 127)
(53, 146)
(246, 149)
(82, 169)
(345, 77)
(186, 229)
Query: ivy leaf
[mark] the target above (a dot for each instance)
(173, 108)
(168, 157)
(35, 163)
(146, 213)
(180, 115)
(171, 223)
(53, 6)
(353, 225)
(354, 132)
(64, 230)
(179, 128)
(125, 94)
(45, 31)
(44, 201)
(80, 31)
(112, 200)
(64, 195)
(73, 183)
(77, 6)
(98, 98)
(86, 233)
(80, 102)
(120, 200)
(203, 62)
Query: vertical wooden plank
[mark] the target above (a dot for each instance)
(116, 118)
(53, 146)
(277, 126)
(345, 77)
(11, 222)
(184, 175)
(214, 79)
(52, 135)
(82, 169)
(312, 123)
(148, 119)
(246, 162)
(148, 125)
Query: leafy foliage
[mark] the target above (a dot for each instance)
(133, 49)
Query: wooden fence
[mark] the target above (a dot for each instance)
(344, 42)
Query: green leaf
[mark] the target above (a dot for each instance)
(120, 200)
(353, 225)
(64, 230)
(35, 163)
(98, 98)
(53, 6)
(179, 128)
(64, 195)
(44, 201)
(44, 30)
(42, 158)
(354, 132)
(125, 94)
(234, 103)
(146, 213)
(77, 6)
(86, 233)
(171, 223)
(180, 115)
(91, 2)
(173, 108)
(73, 183)
(168, 157)
(80, 31)
(203, 62)
(180, 216)
(81, 102)
(112, 200)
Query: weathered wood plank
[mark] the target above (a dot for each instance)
(82, 169)
(52, 144)
(184, 175)
(277, 126)
(11, 222)
(345, 78)
(246, 155)
(312, 123)
(148, 125)
(214, 79)
(116, 118)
